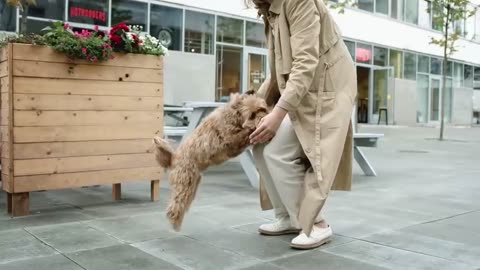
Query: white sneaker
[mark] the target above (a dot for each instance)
(318, 237)
(280, 227)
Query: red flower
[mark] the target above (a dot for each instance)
(119, 27)
(84, 50)
(116, 39)
(136, 39)
(96, 28)
(66, 26)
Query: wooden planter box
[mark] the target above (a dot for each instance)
(68, 124)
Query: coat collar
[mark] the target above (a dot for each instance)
(276, 6)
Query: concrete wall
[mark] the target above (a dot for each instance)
(189, 77)
(405, 102)
(476, 100)
(462, 107)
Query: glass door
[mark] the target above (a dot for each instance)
(255, 68)
(435, 99)
(380, 98)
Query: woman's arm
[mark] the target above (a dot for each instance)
(304, 20)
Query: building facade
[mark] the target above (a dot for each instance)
(218, 47)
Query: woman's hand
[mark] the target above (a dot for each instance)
(268, 126)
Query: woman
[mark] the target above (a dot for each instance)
(312, 91)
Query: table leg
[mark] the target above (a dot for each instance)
(197, 115)
(248, 166)
(363, 162)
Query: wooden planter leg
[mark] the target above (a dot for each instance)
(155, 190)
(9, 203)
(20, 204)
(117, 192)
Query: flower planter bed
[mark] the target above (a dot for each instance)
(67, 124)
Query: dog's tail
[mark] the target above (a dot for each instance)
(163, 152)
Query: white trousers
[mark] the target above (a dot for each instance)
(281, 164)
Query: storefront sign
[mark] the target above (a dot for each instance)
(98, 15)
(363, 55)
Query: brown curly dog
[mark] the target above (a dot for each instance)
(224, 134)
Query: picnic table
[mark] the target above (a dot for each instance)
(202, 109)
(177, 113)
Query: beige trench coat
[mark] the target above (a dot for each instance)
(314, 79)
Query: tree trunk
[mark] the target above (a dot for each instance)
(23, 24)
(444, 77)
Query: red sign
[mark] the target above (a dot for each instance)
(363, 55)
(89, 13)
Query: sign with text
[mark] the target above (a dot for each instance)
(88, 11)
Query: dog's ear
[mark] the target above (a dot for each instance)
(250, 92)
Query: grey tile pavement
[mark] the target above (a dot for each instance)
(421, 212)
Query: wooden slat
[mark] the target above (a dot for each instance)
(85, 133)
(23, 85)
(86, 103)
(6, 166)
(70, 180)
(81, 118)
(5, 133)
(45, 54)
(80, 149)
(82, 164)
(3, 54)
(7, 184)
(6, 150)
(84, 72)
(3, 69)
(4, 83)
(20, 204)
(5, 106)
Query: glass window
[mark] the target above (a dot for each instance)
(448, 100)
(449, 68)
(396, 61)
(396, 9)
(423, 64)
(36, 27)
(365, 5)
(88, 12)
(48, 9)
(477, 25)
(229, 30)
(351, 48)
(476, 74)
(470, 27)
(435, 66)
(424, 14)
(381, 6)
(380, 56)
(458, 74)
(411, 11)
(255, 35)
(166, 24)
(129, 12)
(468, 76)
(422, 98)
(199, 32)
(436, 18)
(364, 53)
(229, 74)
(8, 16)
(410, 66)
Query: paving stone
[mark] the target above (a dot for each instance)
(195, 255)
(59, 262)
(122, 257)
(72, 237)
(16, 245)
(392, 258)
